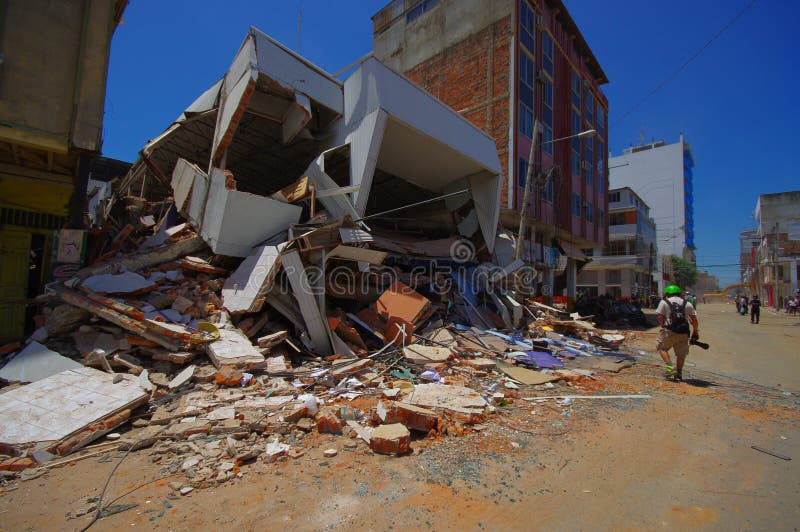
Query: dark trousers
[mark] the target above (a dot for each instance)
(755, 315)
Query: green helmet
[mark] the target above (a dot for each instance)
(672, 290)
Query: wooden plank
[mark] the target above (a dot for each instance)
(358, 254)
(526, 376)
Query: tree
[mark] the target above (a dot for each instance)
(684, 272)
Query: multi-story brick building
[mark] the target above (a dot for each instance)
(624, 267)
(504, 64)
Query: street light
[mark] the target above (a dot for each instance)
(523, 218)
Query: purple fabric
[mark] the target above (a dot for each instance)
(544, 359)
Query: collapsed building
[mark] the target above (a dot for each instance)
(304, 234)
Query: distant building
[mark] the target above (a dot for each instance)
(502, 65)
(52, 99)
(624, 267)
(662, 175)
(778, 253)
(748, 266)
(706, 284)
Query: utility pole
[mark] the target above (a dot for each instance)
(523, 215)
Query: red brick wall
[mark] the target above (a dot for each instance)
(472, 77)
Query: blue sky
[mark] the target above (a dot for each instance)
(735, 103)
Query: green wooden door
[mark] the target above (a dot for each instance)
(15, 249)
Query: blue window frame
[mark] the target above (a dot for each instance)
(523, 172)
(589, 212)
(601, 121)
(588, 156)
(527, 25)
(601, 166)
(525, 120)
(547, 53)
(547, 116)
(576, 90)
(527, 73)
(576, 205)
(588, 107)
(601, 218)
(576, 143)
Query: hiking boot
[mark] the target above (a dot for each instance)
(670, 371)
(678, 375)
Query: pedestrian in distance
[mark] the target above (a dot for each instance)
(674, 314)
(755, 309)
(743, 304)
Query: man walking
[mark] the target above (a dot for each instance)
(674, 315)
(755, 309)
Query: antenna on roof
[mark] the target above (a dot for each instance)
(299, 23)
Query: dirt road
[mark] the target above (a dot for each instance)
(679, 460)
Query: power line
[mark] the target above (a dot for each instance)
(685, 64)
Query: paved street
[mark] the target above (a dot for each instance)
(680, 460)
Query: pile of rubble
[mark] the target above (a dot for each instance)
(224, 320)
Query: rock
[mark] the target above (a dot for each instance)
(186, 490)
(181, 378)
(175, 486)
(226, 466)
(296, 414)
(113, 436)
(247, 455)
(184, 430)
(482, 364)
(139, 423)
(327, 421)
(330, 453)
(391, 393)
(351, 444)
(305, 424)
(182, 304)
(191, 462)
(159, 379)
(219, 414)
(426, 354)
(65, 319)
(413, 417)
(390, 439)
(205, 374)
(295, 453)
(228, 376)
(226, 427)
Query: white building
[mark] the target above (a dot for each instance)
(624, 267)
(661, 174)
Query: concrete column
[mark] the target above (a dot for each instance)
(572, 277)
(626, 282)
(793, 275)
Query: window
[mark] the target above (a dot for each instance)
(527, 73)
(576, 144)
(590, 212)
(601, 155)
(576, 205)
(588, 107)
(419, 9)
(547, 190)
(613, 197)
(547, 116)
(616, 218)
(527, 23)
(614, 276)
(576, 90)
(615, 248)
(525, 120)
(588, 156)
(601, 218)
(601, 121)
(523, 172)
(547, 53)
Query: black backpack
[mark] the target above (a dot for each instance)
(677, 320)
